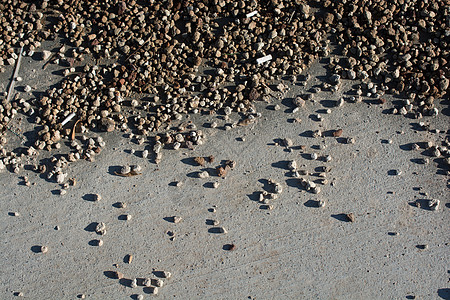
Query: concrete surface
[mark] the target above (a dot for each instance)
(295, 251)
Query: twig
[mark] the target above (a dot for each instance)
(49, 61)
(74, 128)
(16, 72)
(290, 19)
(138, 49)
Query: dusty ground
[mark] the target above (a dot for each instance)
(294, 251)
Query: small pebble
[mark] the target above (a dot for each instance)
(158, 282)
(203, 174)
(121, 205)
(133, 283)
(147, 282)
(128, 258)
(350, 217)
(100, 228)
(433, 204)
(349, 140)
(229, 247)
(117, 274)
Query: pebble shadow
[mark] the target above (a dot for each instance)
(113, 169)
(282, 164)
(169, 219)
(209, 185)
(36, 249)
(307, 133)
(423, 203)
(254, 196)
(91, 227)
(125, 282)
(93, 243)
(311, 203)
(215, 230)
(149, 290)
(110, 274)
(228, 247)
(444, 293)
(189, 161)
(89, 197)
(341, 217)
(209, 222)
(328, 103)
(159, 274)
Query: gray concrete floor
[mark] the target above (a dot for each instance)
(295, 251)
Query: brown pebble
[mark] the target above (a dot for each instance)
(222, 171)
(128, 258)
(337, 133)
(117, 274)
(200, 161)
(350, 217)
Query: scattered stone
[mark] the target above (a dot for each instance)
(45, 54)
(100, 228)
(349, 140)
(200, 161)
(128, 258)
(133, 283)
(157, 282)
(433, 204)
(337, 133)
(222, 230)
(350, 217)
(203, 174)
(116, 275)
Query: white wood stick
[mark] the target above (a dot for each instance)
(16, 72)
(253, 13)
(67, 119)
(263, 59)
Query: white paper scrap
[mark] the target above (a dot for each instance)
(263, 59)
(253, 13)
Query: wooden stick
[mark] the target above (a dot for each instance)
(16, 72)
